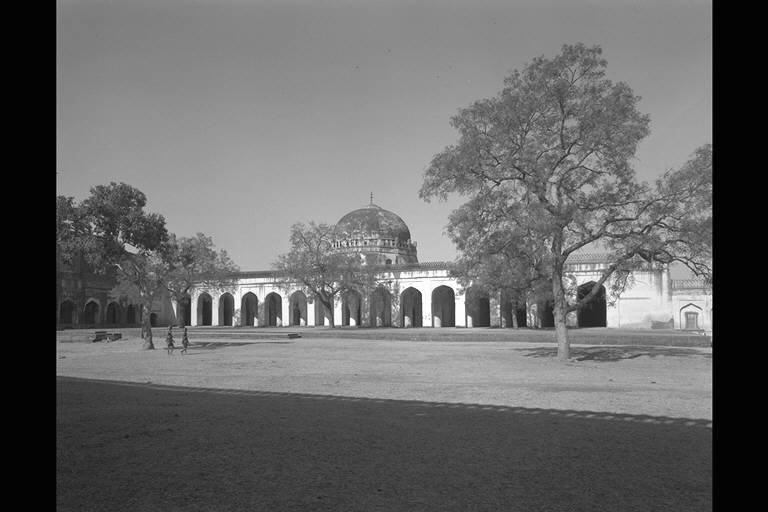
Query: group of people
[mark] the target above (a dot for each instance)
(169, 341)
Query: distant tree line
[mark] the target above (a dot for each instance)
(114, 235)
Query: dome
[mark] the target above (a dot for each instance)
(372, 220)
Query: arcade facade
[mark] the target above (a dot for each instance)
(412, 294)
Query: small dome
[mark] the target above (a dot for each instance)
(372, 220)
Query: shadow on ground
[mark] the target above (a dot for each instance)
(157, 447)
(612, 354)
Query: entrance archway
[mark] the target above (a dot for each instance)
(321, 314)
(547, 313)
(91, 313)
(298, 308)
(381, 308)
(690, 317)
(113, 313)
(410, 308)
(478, 307)
(594, 313)
(226, 308)
(513, 310)
(185, 311)
(350, 308)
(67, 312)
(443, 307)
(204, 309)
(273, 310)
(249, 309)
(130, 314)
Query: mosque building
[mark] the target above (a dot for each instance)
(412, 294)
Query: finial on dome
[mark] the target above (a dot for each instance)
(371, 197)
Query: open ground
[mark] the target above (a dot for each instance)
(347, 424)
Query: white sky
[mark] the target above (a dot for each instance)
(239, 118)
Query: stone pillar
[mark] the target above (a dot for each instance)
(460, 310)
(336, 311)
(366, 318)
(215, 304)
(613, 314)
(259, 317)
(193, 306)
(666, 290)
(286, 313)
(495, 304)
(394, 307)
(311, 312)
(426, 309)
(237, 314)
(532, 310)
(175, 310)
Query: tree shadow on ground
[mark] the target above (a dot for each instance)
(213, 345)
(612, 354)
(257, 450)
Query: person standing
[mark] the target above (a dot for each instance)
(169, 340)
(184, 342)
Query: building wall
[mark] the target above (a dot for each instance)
(652, 301)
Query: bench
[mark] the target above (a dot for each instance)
(106, 335)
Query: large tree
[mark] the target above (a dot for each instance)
(195, 262)
(551, 156)
(318, 269)
(115, 236)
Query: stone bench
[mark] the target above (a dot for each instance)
(106, 335)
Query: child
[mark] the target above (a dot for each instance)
(184, 342)
(169, 340)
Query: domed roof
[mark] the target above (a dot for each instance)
(372, 220)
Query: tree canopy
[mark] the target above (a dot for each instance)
(195, 262)
(114, 235)
(322, 272)
(547, 167)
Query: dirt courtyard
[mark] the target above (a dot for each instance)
(658, 381)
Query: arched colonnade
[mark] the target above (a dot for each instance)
(435, 305)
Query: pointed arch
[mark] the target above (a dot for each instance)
(410, 308)
(130, 315)
(67, 312)
(546, 313)
(91, 312)
(185, 311)
(478, 307)
(113, 313)
(273, 310)
(321, 313)
(226, 309)
(204, 309)
(513, 310)
(297, 314)
(351, 305)
(691, 317)
(249, 309)
(381, 307)
(593, 314)
(443, 307)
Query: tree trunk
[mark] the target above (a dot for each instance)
(146, 328)
(561, 332)
(329, 308)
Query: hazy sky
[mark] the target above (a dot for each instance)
(239, 118)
